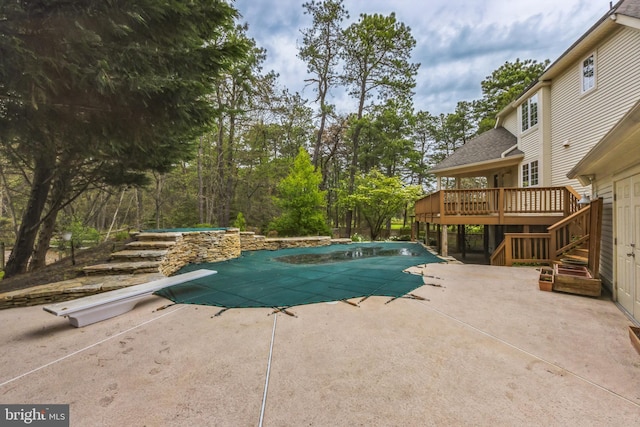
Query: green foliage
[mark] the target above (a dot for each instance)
(377, 50)
(240, 222)
(504, 85)
(355, 237)
(121, 236)
(301, 201)
(320, 49)
(81, 235)
(379, 198)
(97, 93)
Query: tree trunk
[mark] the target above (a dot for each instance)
(139, 209)
(316, 149)
(57, 194)
(28, 229)
(39, 258)
(352, 176)
(200, 182)
(220, 165)
(229, 184)
(115, 214)
(7, 193)
(158, 196)
(354, 157)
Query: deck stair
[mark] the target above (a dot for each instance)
(143, 255)
(571, 243)
(579, 256)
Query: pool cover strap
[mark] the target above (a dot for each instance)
(328, 273)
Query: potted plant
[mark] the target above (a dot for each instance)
(634, 336)
(545, 281)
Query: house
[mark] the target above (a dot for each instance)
(574, 133)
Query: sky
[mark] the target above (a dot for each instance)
(458, 42)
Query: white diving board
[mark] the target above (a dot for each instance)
(95, 308)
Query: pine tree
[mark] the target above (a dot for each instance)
(98, 92)
(301, 200)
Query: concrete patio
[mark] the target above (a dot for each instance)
(486, 347)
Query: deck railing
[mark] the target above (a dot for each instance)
(579, 230)
(570, 233)
(498, 202)
(523, 248)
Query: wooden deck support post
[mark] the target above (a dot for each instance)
(508, 250)
(444, 241)
(485, 243)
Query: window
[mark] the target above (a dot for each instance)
(534, 173)
(588, 73)
(529, 112)
(530, 177)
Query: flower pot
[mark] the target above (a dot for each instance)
(545, 282)
(634, 336)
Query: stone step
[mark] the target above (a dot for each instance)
(149, 244)
(166, 237)
(137, 255)
(138, 267)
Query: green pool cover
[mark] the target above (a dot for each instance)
(290, 277)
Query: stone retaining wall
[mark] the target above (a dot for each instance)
(250, 241)
(201, 246)
(220, 245)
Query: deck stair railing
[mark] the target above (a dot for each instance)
(577, 233)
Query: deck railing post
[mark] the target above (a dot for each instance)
(508, 251)
(501, 203)
(553, 246)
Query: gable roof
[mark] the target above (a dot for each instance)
(628, 8)
(493, 145)
(625, 12)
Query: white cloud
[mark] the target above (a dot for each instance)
(459, 42)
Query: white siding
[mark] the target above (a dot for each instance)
(583, 120)
(511, 123)
(545, 136)
(605, 192)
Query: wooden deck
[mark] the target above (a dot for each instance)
(574, 239)
(498, 206)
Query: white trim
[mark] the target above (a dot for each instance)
(528, 164)
(508, 150)
(627, 21)
(528, 102)
(627, 173)
(584, 92)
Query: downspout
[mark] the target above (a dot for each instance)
(507, 151)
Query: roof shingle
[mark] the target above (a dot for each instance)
(485, 147)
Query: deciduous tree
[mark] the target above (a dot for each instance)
(379, 198)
